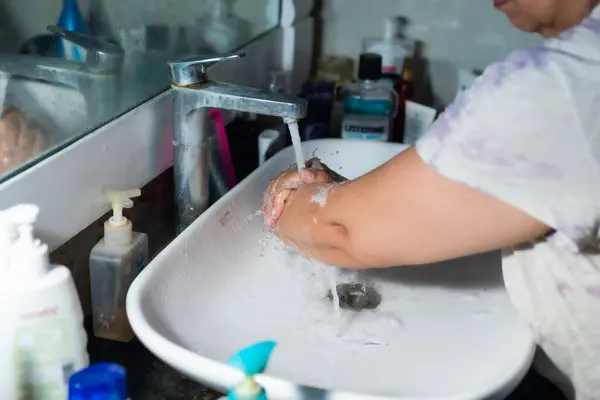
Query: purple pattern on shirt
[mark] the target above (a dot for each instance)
(563, 288)
(567, 35)
(536, 57)
(480, 149)
(592, 24)
(593, 291)
(496, 76)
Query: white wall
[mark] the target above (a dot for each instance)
(456, 33)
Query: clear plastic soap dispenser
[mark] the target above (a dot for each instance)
(115, 262)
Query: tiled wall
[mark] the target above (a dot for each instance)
(456, 33)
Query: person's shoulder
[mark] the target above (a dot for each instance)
(524, 77)
(523, 68)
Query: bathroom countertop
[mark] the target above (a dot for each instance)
(149, 378)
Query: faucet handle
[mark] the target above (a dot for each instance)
(101, 55)
(192, 70)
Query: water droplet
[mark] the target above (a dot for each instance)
(473, 297)
(479, 315)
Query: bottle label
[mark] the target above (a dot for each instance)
(418, 120)
(360, 106)
(43, 356)
(365, 127)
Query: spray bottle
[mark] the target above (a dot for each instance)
(49, 338)
(115, 262)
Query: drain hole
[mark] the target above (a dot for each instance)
(356, 296)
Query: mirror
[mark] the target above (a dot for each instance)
(53, 92)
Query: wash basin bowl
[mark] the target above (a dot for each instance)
(441, 331)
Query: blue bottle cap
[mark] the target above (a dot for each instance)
(102, 381)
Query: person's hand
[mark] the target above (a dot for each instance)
(281, 187)
(19, 139)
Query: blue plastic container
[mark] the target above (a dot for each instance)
(103, 381)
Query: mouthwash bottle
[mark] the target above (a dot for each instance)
(369, 106)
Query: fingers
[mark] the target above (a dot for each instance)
(19, 140)
(307, 176)
(39, 144)
(280, 188)
(313, 163)
(277, 208)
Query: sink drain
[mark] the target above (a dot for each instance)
(356, 296)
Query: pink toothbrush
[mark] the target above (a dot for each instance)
(223, 143)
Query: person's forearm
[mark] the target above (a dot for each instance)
(328, 239)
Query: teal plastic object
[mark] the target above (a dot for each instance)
(251, 360)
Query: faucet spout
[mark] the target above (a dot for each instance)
(245, 99)
(48, 69)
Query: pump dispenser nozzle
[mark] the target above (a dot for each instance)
(118, 229)
(10, 220)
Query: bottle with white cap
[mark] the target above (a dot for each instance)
(8, 313)
(115, 262)
(49, 338)
(393, 47)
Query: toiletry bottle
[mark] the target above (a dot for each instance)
(115, 261)
(393, 47)
(50, 341)
(8, 383)
(71, 19)
(223, 30)
(369, 106)
(102, 381)
(407, 77)
(99, 23)
(405, 88)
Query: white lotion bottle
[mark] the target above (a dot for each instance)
(8, 366)
(50, 341)
(115, 261)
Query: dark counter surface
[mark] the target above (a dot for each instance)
(148, 378)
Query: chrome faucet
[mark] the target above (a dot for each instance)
(97, 78)
(193, 96)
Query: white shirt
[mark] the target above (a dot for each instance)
(528, 133)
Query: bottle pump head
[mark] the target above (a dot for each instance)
(118, 229)
(11, 220)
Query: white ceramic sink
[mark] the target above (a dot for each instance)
(443, 331)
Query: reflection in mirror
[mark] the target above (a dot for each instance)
(54, 91)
